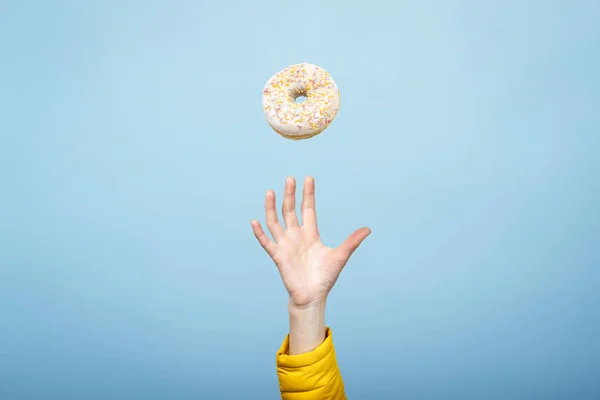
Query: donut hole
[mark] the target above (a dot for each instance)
(298, 95)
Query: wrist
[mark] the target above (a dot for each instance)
(307, 326)
(310, 307)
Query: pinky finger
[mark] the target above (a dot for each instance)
(262, 238)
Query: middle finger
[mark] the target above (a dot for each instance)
(288, 209)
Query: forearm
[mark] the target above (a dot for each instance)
(307, 327)
(306, 362)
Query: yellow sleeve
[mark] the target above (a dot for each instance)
(310, 376)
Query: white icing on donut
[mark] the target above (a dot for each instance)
(300, 120)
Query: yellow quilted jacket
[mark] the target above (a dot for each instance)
(310, 376)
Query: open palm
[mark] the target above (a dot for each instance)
(308, 268)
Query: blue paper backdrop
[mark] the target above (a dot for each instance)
(133, 154)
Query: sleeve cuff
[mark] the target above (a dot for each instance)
(309, 371)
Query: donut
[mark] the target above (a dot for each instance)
(303, 120)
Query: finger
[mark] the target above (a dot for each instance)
(273, 224)
(289, 203)
(309, 214)
(262, 237)
(351, 244)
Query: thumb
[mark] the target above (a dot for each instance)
(351, 244)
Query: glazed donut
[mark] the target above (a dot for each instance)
(306, 119)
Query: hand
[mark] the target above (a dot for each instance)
(308, 268)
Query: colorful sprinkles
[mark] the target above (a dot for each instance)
(300, 120)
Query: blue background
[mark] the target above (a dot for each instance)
(134, 152)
